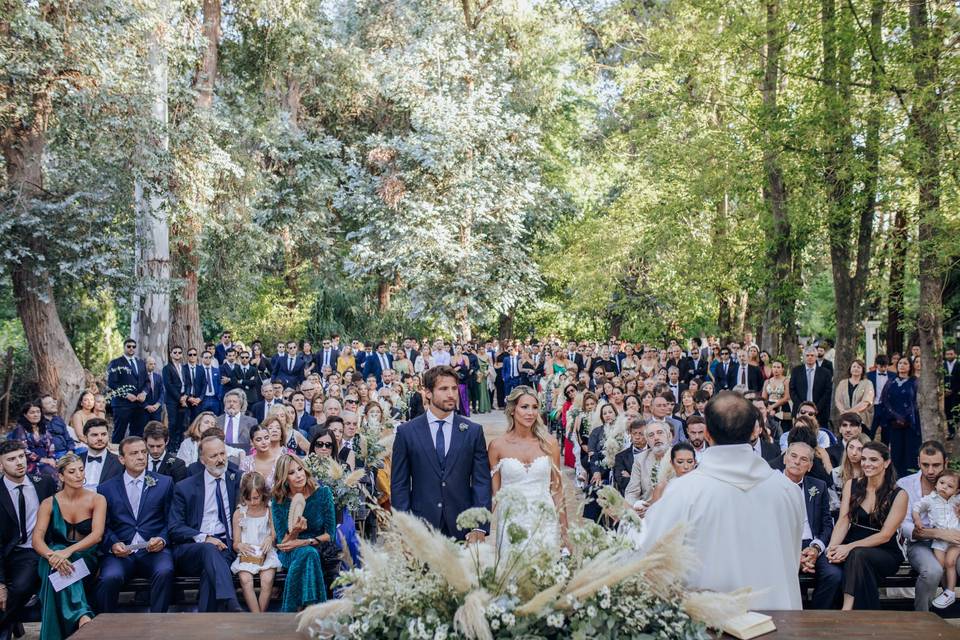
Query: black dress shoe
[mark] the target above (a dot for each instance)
(18, 631)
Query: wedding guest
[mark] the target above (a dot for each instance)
(266, 451)
(683, 460)
(850, 427)
(903, 420)
(776, 391)
(855, 393)
(136, 537)
(155, 400)
(303, 422)
(31, 430)
(235, 425)
(254, 546)
(85, 410)
(127, 377)
(649, 466)
(200, 527)
(300, 546)
(810, 383)
(161, 460)
(69, 527)
(99, 464)
(188, 451)
(260, 410)
(864, 538)
(623, 462)
(246, 378)
(940, 506)
(597, 465)
(848, 469)
(697, 435)
(175, 394)
(20, 497)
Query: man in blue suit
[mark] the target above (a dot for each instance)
(210, 379)
(376, 363)
(817, 528)
(135, 538)
(879, 378)
(200, 527)
(226, 343)
(175, 395)
(193, 385)
(510, 371)
(304, 422)
(153, 405)
(127, 377)
(440, 464)
(289, 369)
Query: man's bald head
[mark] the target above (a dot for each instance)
(730, 418)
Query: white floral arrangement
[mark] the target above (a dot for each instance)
(416, 583)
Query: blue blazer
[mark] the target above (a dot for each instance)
(174, 384)
(186, 509)
(818, 509)
(193, 387)
(372, 366)
(214, 378)
(507, 371)
(158, 394)
(287, 376)
(120, 374)
(307, 423)
(151, 522)
(420, 486)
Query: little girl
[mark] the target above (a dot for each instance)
(254, 545)
(941, 505)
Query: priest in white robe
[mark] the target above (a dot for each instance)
(743, 519)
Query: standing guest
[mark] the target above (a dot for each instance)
(511, 371)
(695, 365)
(259, 361)
(299, 546)
(56, 427)
(328, 356)
(261, 410)
(276, 357)
(649, 466)
(193, 381)
(724, 372)
(855, 393)
(461, 365)
(932, 460)
(99, 464)
(226, 343)
(731, 486)
(235, 425)
(31, 430)
(864, 539)
(127, 378)
(20, 497)
(623, 462)
(247, 379)
(309, 358)
(136, 537)
(597, 464)
(289, 370)
(161, 459)
(817, 525)
(880, 377)
(200, 527)
(424, 361)
(375, 364)
(86, 410)
(154, 402)
(69, 527)
(951, 390)
(940, 507)
(903, 421)
(346, 361)
(811, 383)
(212, 390)
(254, 545)
(175, 395)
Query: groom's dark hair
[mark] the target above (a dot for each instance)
(730, 418)
(433, 374)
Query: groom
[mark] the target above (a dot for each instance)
(440, 465)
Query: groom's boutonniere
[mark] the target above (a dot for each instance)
(150, 481)
(813, 491)
(463, 427)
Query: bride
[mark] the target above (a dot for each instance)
(526, 481)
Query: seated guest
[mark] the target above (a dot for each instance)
(260, 410)
(299, 547)
(848, 469)
(200, 527)
(20, 497)
(69, 527)
(302, 421)
(817, 525)
(99, 464)
(56, 427)
(864, 538)
(763, 445)
(162, 461)
(265, 452)
(649, 466)
(254, 545)
(138, 506)
(188, 451)
(697, 434)
(31, 430)
(683, 460)
(216, 432)
(808, 410)
(851, 427)
(623, 462)
(86, 410)
(804, 430)
(235, 425)
(932, 461)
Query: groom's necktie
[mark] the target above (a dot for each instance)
(441, 444)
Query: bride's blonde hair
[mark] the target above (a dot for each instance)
(539, 428)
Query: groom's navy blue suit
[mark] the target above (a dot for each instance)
(438, 494)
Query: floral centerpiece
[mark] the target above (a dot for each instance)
(345, 487)
(418, 584)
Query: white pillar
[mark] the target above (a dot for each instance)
(870, 327)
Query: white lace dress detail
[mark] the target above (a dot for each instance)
(527, 520)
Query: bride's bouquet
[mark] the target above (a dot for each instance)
(416, 583)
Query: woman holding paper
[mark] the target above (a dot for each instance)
(69, 527)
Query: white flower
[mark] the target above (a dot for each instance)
(555, 620)
(591, 611)
(495, 624)
(512, 589)
(509, 619)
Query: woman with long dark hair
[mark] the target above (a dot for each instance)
(31, 430)
(864, 540)
(902, 429)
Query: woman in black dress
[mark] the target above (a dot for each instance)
(864, 540)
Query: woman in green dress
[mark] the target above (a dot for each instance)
(299, 547)
(483, 392)
(69, 527)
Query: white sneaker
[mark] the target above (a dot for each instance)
(944, 600)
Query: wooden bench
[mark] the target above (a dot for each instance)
(905, 577)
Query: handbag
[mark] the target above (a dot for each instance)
(899, 424)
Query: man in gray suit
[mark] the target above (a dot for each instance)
(235, 425)
(646, 466)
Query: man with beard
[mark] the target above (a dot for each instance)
(697, 434)
(648, 467)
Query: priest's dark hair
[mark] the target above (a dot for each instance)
(730, 418)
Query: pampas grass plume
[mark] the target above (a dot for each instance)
(715, 609)
(354, 478)
(312, 617)
(470, 619)
(434, 550)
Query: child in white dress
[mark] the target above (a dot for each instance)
(254, 545)
(940, 506)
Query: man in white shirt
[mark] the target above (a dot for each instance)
(20, 499)
(697, 434)
(730, 487)
(440, 356)
(99, 465)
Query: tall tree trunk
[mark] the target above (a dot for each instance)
(784, 265)
(58, 370)
(505, 326)
(927, 131)
(185, 328)
(151, 319)
(851, 203)
(898, 264)
(383, 296)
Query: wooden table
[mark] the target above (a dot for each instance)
(791, 625)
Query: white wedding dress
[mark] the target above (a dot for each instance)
(526, 516)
